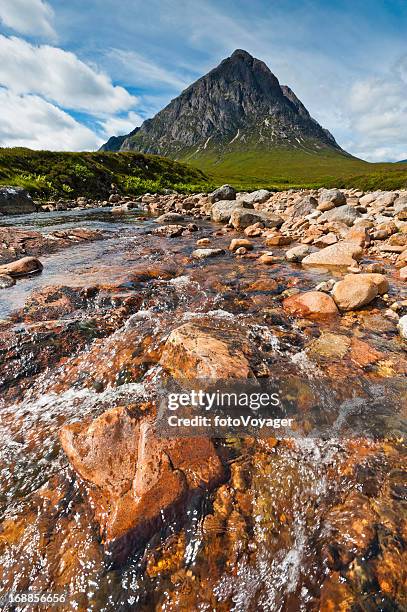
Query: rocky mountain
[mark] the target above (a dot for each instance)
(115, 142)
(238, 106)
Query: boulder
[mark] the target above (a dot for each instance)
(205, 253)
(257, 197)
(15, 201)
(169, 231)
(402, 327)
(357, 234)
(357, 290)
(170, 217)
(402, 274)
(297, 253)
(278, 240)
(312, 304)
(197, 350)
(333, 197)
(222, 210)
(6, 281)
(226, 192)
(303, 207)
(237, 243)
(400, 208)
(22, 267)
(342, 254)
(137, 481)
(242, 218)
(343, 214)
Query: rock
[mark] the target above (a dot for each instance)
(402, 273)
(169, 231)
(222, 210)
(326, 286)
(170, 217)
(137, 481)
(400, 208)
(205, 253)
(268, 259)
(22, 267)
(254, 230)
(15, 201)
(330, 345)
(355, 291)
(257, 197)
(241, 218)
(325, 240)
(197, 350)
(303, 207)
(226, 192)
(343, 214)
(297, 253)
(278, 240)
(203, 242)
(333, 197)
(342, 254)
(359, 235)
(313, 304)
(402, 327)
(6, 281)
(240, 242)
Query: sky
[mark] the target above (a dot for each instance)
(74, 73)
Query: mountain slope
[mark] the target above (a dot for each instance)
(239, 105)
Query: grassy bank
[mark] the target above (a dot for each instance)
(284, 169)
(50, 174)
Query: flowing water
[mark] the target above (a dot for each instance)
(303, 524)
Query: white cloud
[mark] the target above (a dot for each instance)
(28, 17)
(59, 76)
(30, 121)
(144, 72)
(377, 108)
(118, 126)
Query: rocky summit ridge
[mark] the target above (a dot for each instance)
(238, 106)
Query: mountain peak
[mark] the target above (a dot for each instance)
(237, 106)
(241, 54)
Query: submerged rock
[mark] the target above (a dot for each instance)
(138, 481)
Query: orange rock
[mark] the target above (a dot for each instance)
(195, 350)
(313, 304)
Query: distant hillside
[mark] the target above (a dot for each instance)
(47, 173)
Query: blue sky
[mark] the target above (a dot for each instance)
(73, 73)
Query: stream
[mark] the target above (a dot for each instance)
(303, 524)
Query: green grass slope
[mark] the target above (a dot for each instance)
(286, 168)
(53, 174)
